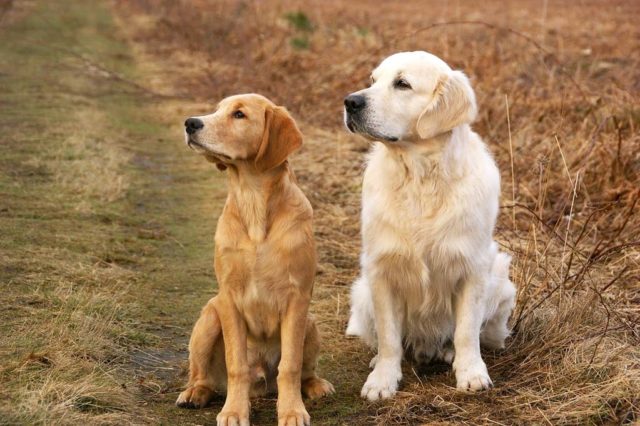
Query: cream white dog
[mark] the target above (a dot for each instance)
(433, 282)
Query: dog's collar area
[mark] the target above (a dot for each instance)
(378, 137)
(436, 138)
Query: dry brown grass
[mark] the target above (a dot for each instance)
(557, 88)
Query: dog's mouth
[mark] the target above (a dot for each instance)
(385, 138)
(197, 146)
(191, 144)
(356, 126)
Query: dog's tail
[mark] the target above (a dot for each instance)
(360, 299)
(501, 265)
(501, 303)
(361, 321)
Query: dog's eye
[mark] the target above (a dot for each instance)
(401, 84)
(238, 114)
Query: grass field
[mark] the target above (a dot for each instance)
(98, 197)
(107, 220)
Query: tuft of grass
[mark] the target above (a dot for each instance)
(363, 31)
(301, 43)
(301, 23)
(299, 20)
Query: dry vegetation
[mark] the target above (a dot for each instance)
(557, 86)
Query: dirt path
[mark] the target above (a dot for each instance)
(107, 224)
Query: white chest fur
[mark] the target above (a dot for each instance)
(435, 210)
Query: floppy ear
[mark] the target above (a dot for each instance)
(281, 137)
(454, 104)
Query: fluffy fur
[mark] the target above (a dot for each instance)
(433, 281)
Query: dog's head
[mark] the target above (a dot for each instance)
(413, 96)
(244, 129)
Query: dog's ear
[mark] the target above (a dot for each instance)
(454, 104)
(281, 137)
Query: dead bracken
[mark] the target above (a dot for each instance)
(559, 111)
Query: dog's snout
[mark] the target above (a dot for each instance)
(354, 103)
(192, 125)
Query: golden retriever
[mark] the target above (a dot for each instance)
(432, 279)
(257, 331)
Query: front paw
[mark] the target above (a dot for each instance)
(472, 376)
(293, 414)
(194, 397)
(382, 382)
(234, 415)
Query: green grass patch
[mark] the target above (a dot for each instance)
(107, 226)
(299, 20)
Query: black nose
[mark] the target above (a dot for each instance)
(192, 125)
(354, 103)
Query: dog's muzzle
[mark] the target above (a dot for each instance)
(354, 118)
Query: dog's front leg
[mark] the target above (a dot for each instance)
(236, 407)
(291, 410)
(387, 372)
(471, 371)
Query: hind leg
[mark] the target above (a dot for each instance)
(495, 330)
(312, 386)
(206, 360)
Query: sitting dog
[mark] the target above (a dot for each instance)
(257, 330)
(433, 281)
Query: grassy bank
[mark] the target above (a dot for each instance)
(106, 222)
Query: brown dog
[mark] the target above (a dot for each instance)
(258, 326)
